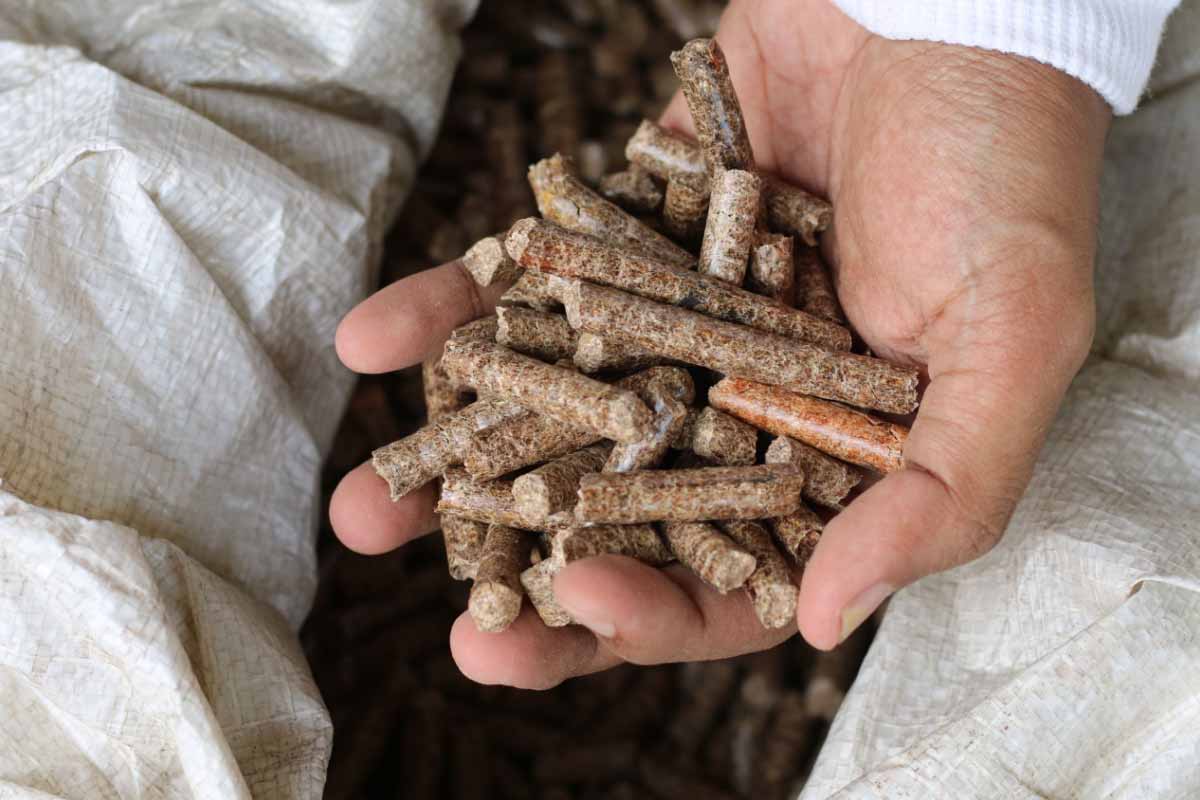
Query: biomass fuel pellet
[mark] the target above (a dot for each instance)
(496, 595)
(559, 115)
(505, 144)
(827, 480)
(442, 396)
(741, 351)
(770, 586)
(538, 581)
(478, 330)
(488, 263)
(551, 487)
(814, 289)
(667, 155)
(594, 353)
(773, 268)
(785, 744)
(729, 232)
(845, 433)
(792, 210)
(490, 502)
(703, 703)
(647, 453)
(535, 333)
(685, 208)
(723, 439)
(798, 533)
(636, 541)
(686, 495)
(541, 291)
(464, 540)
(716, 112)
(712, 555)
(633, 189)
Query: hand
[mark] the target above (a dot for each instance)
(964, 185)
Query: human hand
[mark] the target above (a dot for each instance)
(964, 185)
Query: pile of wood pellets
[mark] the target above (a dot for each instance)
(555, 438)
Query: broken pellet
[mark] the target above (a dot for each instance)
(723, 439)
(490, 502)
(845, 433)
(737, 350)
(477, 330)
(709, 553)
(442, 395)
(594, 353)
(792, 210)
(685, 208)
(559, 115)
(667, 155)
(417, 459)
(558, 393)
(464, 545)
(496, 596)
(537, 244)
(648, 452)
(535, 333)
(689, 494)
(564, 200)
(827, 480)
(551, 487)
(716, 112)
(798, 533)
(632, 189)
(729, 232)
(538, 581)
(636, 541)
(770, 586)
(488, 263)
(773, 269)
(814, 289)
(540, 291)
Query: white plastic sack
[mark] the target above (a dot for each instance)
(1064, 663)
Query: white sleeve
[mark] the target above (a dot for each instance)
(1107, 44)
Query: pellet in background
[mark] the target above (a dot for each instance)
(470, 762)
(685, 209)
(737, 350)
(424, 746)
(773, 268)
(558, 393)
(687, 495)
(512, 781)
(688, 432)
(505, 143)
(496, 596)
(488, 263)
(593, 161)
(723, 439)
(540, 291)
(633, 189)
(538, 581)
(363, 743)
(640, 709)
(535, 333)
(792, 210)
(537, 244)
(786, 743)
(599, 762)
(833, 672)
(845, 433)
(702, 703)
(474, 212)
(487, 501)
(770, 587)
(560, 122)
(594, 353)
(757, 697)
(551, 487)
(464, 540)
(798, 533)
(669, 782)
(729, 231)
(708, 552)
(636, 541)
(669, 418)
(417, 459)
(667, 155)
(827, 480)
(566, 201)
(814, 288)
(716, 112)
(442, 395)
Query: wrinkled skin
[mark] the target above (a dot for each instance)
(965, 192)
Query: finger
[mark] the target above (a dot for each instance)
(652, 616)
(367, 521)
(408, 321)
(528, 655)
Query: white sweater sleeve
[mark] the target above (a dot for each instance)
(1108, 44)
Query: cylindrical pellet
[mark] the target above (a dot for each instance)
(538, 581)
(798, 533)
(741, 351)
(636, 541)
(565, 200)
(685, 208)
(770, 587)
(792, 210)
(561, 394)
(667, 155)
(773, 268)
(505, 143)
(814, 289)
(669, 418)
(496, 596)
(841, 432)
(827, 480)
(633, 189)
(551, 487)
(536, 244)
(535, 333)
(479, 330)
(560, 120)
(464, 545)
(716, 112)
(595, 353)
(723, 439)
(541, 291)
(729, 232)
(490, 502)
(689, 494)
(417, 459)
(712, 555)
(785, 747)
(488, 263)
(442, 395)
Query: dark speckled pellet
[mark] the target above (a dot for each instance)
(716, 112)
(770, 586)
(535, 333)
(828, 480)
(496, 596)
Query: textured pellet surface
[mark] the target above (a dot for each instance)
(770, 586)
(708, 552)
(495, 599)
(827, 480)
(845, 433)
(729, 231)
(488, 501)
(636, 541)
(535, 333)
(519, 441)
(634, 189)
(442, 395)
(488, 263)
(647, 453)
(744, 352)
(689, 494)
(540, 245)
(667, 155)
(773, 268)
(723, 439)
(716, 112)
(792, 210)
(537, 290)
(538, 581)
(798, 533)
(685, 209)
(477, 330)
(595, 353)
(814, 288)
(463, 539)
(551, 487)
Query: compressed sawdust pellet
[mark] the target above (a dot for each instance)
(551, 487)
(520, 441)
(798, 533)
(537, 244)
(535, 333)
(490, 502)
(845, 433)
(723, 439)
(488, 263)
(538, 581)
(827, 480)
(684, 440)
(594, 353)
(773, 268)
(667, 155)
(708, 552)
(464, 540)
(636, 541)
(496, 596)
(477, 330)
(792, 210)
(560, 121)
(558, 393)
(770, 586)
(685, 209)
(541, 291)
(633, 189)
(729, 232)
(442, 395)
(417, 459)
(703, 702)
(716, 112)
(564, 200)
(675, 380)
(669, 418)
(592, 161)
(741, 351)
(769, 490)
(814, 289)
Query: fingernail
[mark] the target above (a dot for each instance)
(584, 610)
(601, 627)
(863, 606)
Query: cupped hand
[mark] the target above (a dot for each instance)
(964, 185)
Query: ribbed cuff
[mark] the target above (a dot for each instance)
(1107, 44)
